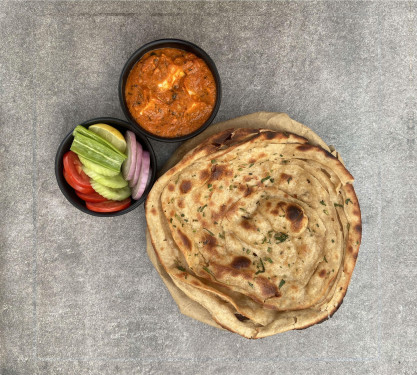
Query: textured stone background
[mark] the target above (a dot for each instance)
(78, 294)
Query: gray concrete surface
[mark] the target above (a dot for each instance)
(78, 294)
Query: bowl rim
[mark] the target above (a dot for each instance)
(63, 185)
(173, 43)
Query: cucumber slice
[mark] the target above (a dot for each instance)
(95, 137)
(97, 152)
(97, 168)
(109, 193)
(115, 182)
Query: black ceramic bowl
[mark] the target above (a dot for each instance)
(65, 145)
(169, 43)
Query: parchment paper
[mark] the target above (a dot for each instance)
(270, 120)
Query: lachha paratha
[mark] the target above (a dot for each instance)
(259, 227)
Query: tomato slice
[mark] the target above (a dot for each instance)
(92, 197)
(74, 185)
(74, 168)
(108, 206)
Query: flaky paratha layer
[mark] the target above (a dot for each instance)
(259, 227)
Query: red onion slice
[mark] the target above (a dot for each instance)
(135, 177)
(128, 167)
(140, 187)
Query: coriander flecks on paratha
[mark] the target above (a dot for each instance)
(261, 220)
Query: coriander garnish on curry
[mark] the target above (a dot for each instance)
(170, 92)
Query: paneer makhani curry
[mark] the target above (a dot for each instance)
(170, 92)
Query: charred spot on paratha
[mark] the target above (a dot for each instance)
(221, 271)
(242, 134)
(296, 216)
(240, 262)
(204, 175)
(185, 186)
(248, 191)
(248, 225)
(241, 317)
(210, 243)
(268, 288)
(220, 171)
(222, 137)
(279, 210)
(269, 135)
(305, 147)
(284, 177)
(185, 240)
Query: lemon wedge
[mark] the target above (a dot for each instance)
(110, 134)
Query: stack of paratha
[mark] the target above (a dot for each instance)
(258, 227)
